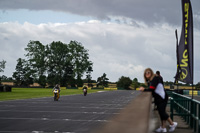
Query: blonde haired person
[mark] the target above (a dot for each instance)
(155, 85)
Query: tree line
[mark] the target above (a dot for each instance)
(60, 63)
(54, 63)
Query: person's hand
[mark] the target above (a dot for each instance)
(141, 88)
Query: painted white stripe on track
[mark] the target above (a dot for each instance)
(49, 119)
(57, 112)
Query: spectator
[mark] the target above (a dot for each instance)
(155, 85)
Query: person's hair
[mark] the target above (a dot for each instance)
(158, 72)
(152, 75)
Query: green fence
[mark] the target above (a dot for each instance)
(187, 108)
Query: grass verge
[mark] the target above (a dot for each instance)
(26, 93)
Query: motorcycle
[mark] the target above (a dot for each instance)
(85, 92)
(56, 94)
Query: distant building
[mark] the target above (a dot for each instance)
(8, 83)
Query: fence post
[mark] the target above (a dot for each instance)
(191, 112)
(195, 114)
(199, 118)
(171, 108)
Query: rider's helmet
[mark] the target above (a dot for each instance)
(57, 86)
(84, 87)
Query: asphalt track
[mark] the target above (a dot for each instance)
(71, 114)
(196, 97)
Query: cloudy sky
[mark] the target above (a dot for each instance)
(123, 36)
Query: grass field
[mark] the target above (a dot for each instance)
(26, 93)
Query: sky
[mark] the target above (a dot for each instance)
(123, 36)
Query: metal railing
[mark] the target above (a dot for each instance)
(187, 108)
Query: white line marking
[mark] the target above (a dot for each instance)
(46, 119)
(56, 112)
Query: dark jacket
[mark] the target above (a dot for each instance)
(161, 95)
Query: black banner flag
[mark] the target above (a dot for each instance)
(185, 47)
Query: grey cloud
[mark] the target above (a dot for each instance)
(149, 11)
(116, 49)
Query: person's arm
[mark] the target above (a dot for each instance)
(145, 89)
(152, 85)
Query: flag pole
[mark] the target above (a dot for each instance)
(176, 81)
(192, 90)
(191, 17)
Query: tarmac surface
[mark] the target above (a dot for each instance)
(71, 114)
(196, 97)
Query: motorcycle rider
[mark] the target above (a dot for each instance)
(85, 88)
(57, 87)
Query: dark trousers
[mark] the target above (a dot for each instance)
(161, 106)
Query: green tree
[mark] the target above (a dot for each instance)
(57, 63)
(198, 85)
(135, 84)
(36, 54)
(88, 76)
(103, 80)
(79, 59)
(2, 65)
(124, 82)
(68, 78)
(24, 74)
(6, 79)
(3, 78)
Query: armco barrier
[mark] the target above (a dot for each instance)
(80, 88)
(189, 92)
(186, 92)
(110, 88)
(62, 88)
(98, 88)
(194, 92)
